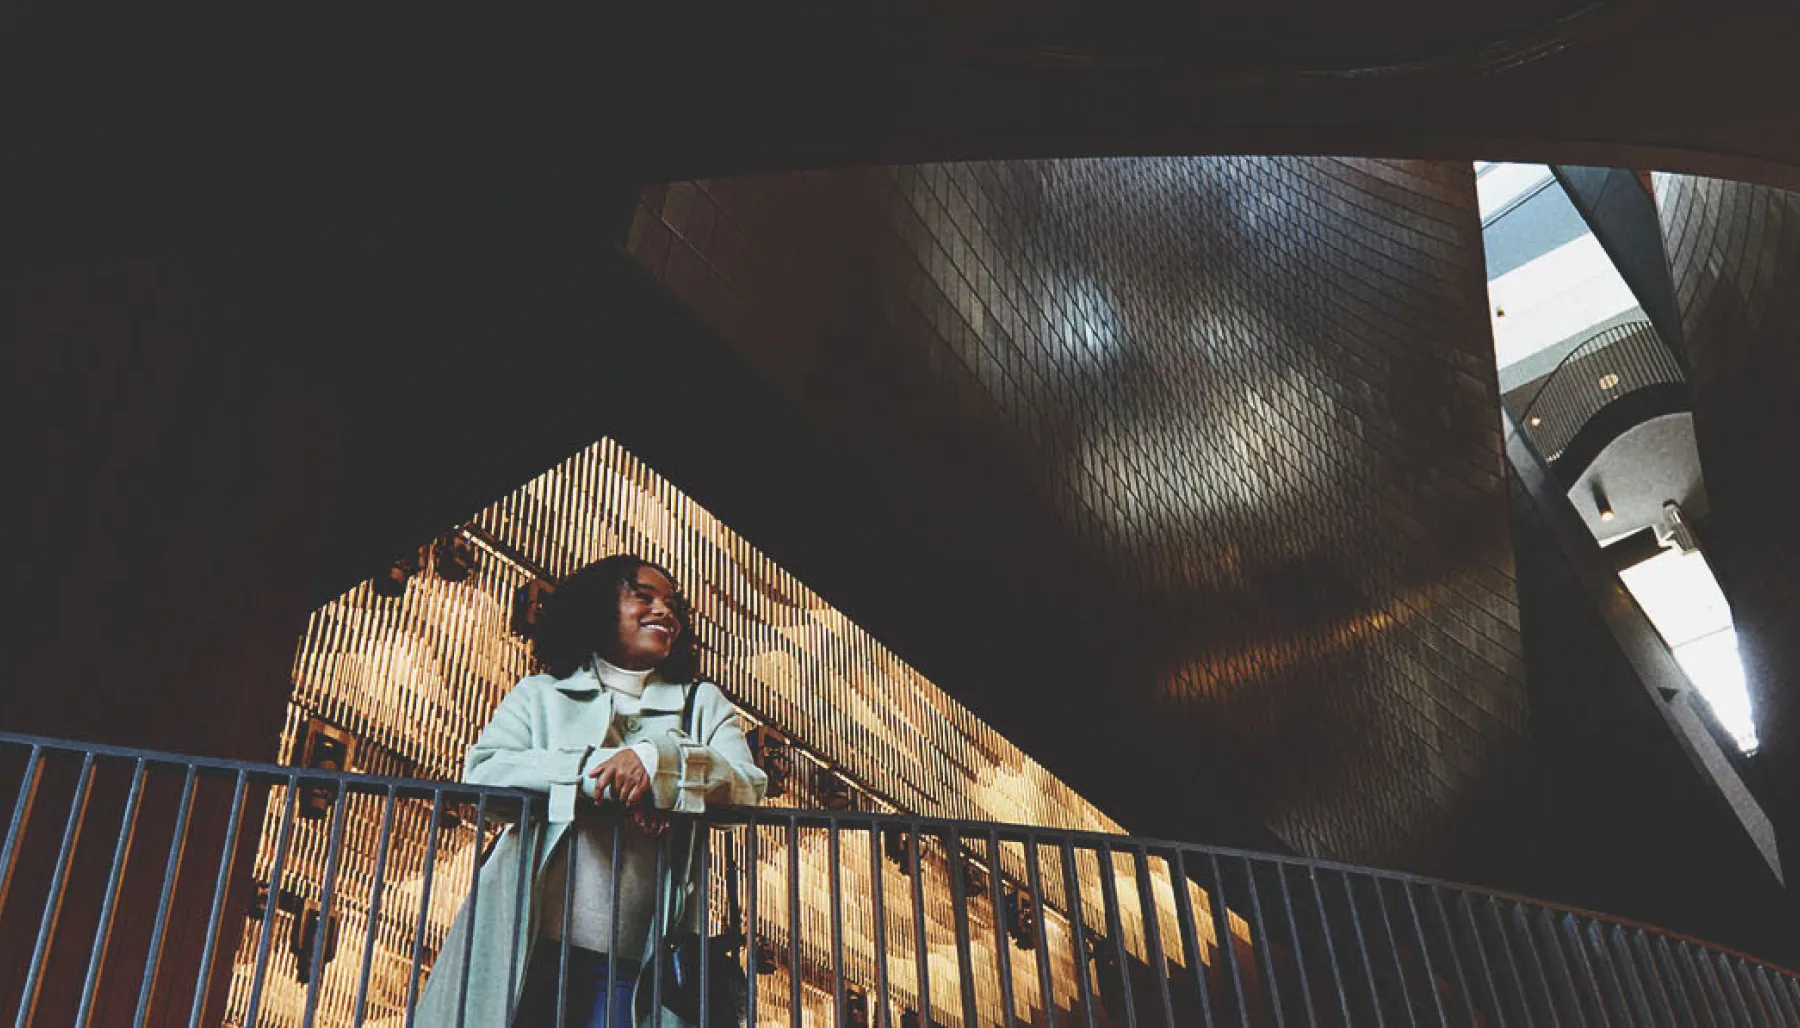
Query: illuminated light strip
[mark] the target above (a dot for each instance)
(415, 678)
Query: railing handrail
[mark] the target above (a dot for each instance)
(368, 784)
(1568, 405)
(1017, 832)
(264, 773)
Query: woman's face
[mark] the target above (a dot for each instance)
(648, 626)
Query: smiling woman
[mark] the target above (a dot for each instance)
(618, 732)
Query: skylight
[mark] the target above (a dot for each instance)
(1682, 599)
(1497, 185)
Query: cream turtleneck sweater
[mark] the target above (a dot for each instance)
(591, 841)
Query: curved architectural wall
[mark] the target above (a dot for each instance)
(1734, 251)
(400, 677)
(1209, 447)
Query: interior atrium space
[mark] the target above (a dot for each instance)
(900, 516)
(1578, 354)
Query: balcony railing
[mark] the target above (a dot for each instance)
(1615, 363)
(135, 889)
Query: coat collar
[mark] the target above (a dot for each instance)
(658, 694)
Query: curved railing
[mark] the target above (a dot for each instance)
(134, 890)
(1614, 364)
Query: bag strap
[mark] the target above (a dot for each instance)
(687, 709)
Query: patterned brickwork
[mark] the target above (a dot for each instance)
(1233, 421)
(411, 676)
(1734, 253)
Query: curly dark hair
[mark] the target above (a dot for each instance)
(581, 617)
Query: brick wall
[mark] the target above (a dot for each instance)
(1734, 252)
(1209, 446)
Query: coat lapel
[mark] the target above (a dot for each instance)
(584, 711)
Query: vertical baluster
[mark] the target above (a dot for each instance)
(1115, 927)
(1698, 989)
(1456, 962)
(1625, 969)
(1412, 907)
(1790, 988)
(377, 887)
(1002, 945)
(1732, 1002)
(1512, 962)
(921, 949)
(959, 899)
(658, 924)
(1034, 875)
(1576, 991)
(1612, 986)
(418, 948)
(1287, 904)
(524, 841)
(833, 860)
(1331, 955)
(21, 813)
(327, 894)
(1746, 998)
(1487, 968)
(475, 846)
(220, 881)
(59, 881)
(618, 882)
(1759, 983)
(109, 900)
(796, 938)
(571, 856)
(1153, 932)
(703, 921)
(1221, 911)
(284, 835)
(171, 869)
(1393, 937)
(1771, 984)
(752, 872)
(1362, 949)
(1190, 933)
(877, 910)
(1263, 947)
(1663, 995)
(1078, 933)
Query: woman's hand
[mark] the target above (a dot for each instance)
(625, 773)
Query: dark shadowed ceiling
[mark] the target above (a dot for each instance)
(162, 127)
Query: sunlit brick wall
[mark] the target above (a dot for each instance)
(413, 676)
(1229, 425)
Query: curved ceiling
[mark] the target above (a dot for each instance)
(1646, 466)
(169, 128)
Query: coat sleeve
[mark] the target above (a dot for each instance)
(508, 755)
(717, 767)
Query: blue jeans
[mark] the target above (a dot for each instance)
(584, 997)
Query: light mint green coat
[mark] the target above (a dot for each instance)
(536, 741)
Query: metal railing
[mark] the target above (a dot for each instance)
(1611, 365)
(131, 892)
